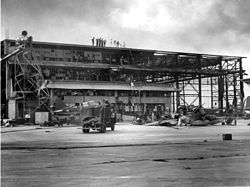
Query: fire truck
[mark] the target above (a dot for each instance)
(97, 116)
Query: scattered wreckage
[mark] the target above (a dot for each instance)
(187, 116)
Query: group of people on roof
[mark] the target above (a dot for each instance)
(100, 42)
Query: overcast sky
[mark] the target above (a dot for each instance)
(202, 26)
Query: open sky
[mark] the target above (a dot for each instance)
(211, 26)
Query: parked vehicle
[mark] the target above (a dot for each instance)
(97, 117)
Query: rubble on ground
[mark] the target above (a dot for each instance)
(185, 116)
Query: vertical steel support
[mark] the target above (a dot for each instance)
(52, 100)
(200, 92)
(226, 87)
(235, 89)
(242, 94)
(173, 102)
(177, 93)
(235, 103)
(183, 90)
(220, 87)
(176, 77)
(211, 89)
(7, 86)
(199, 79)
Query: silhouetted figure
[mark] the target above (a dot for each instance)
(97, 42)
(93, 41)
(100, 42)
(104, 43)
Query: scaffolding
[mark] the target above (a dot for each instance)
(28, 84)
(211, 81)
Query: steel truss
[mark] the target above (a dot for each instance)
(29, 83)
(222, 91)
(212, 81)
(201, 78)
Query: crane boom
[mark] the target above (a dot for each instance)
(18, 50)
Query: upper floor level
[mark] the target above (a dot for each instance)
(61, 54)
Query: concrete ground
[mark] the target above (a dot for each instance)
(129, 156)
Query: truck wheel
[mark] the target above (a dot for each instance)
(103, 128)
(84, 130)
(112, 126)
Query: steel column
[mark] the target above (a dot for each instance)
(220, 86)
(242, 94)
(199, 79)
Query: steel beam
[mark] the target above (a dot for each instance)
(220, 87)
(242, 94)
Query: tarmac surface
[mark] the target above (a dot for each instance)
(132, 155)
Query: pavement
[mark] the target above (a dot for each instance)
(18, 128)
(132, 155)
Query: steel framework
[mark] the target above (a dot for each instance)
(212, 81)
(28, 81)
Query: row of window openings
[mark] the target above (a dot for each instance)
(89, 56)
(79, 56)
(94, 59)
(61, 74)
(64, 74)
(112, 93)
(119, 60)
(107, 60)
(134, 107)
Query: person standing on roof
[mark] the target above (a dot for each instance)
(100, 42)
(97, 42)
(93, 41)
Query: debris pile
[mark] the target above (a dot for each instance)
(185, 116)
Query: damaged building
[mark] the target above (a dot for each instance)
(34, 77)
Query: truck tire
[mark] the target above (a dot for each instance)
(103, 128)
(84, 130)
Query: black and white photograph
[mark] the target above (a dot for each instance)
(125, 93)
